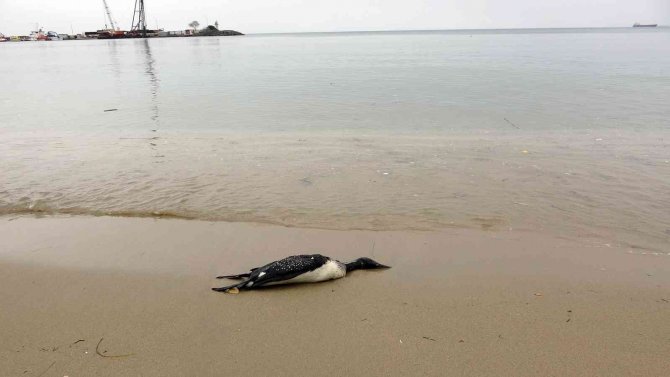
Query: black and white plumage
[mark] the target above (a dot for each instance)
(297, 269)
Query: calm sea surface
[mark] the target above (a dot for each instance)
(561, 131)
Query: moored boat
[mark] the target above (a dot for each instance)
(38, 36)
(111, 34)
(53, 36)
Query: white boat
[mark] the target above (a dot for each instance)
(37, 36)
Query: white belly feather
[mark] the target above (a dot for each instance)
(329, 271)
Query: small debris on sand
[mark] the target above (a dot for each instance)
(108, 110)
(102, 354)
(49, 367)
(233, 291)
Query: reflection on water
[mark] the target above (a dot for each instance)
(154, 140)
(153, 80)
(114, 60)
(564, 133)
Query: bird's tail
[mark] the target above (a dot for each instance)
(238, 276)
(236, 285)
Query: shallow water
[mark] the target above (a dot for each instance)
(561, 131)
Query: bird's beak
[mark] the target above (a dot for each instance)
(379, 265)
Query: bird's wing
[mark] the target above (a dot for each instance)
(238, 276)
(286, 268)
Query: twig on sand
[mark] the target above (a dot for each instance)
(45, 371)
(97, 350)
(431, 339)
(512, 124)
(558, 208)
(78, 340)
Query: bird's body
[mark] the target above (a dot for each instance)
(310, 268)
(330, 270)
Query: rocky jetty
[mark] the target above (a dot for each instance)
(212, 31)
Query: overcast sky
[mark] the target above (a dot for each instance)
(263, 16)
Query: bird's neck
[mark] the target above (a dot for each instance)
(355, 265)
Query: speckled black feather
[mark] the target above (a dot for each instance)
(283, 269)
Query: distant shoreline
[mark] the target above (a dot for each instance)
(548, 30)
(106, 34)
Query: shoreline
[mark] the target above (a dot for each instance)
(608, 188)
(455, 302)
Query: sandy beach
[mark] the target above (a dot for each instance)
(105, 296)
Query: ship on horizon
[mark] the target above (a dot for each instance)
(637, 24)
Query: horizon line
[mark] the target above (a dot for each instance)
(462, 29)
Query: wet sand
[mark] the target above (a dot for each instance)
(456, 302)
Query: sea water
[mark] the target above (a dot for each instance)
(564, 131)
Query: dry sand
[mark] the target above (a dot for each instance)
(456, 302)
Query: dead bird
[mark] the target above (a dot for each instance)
(311, 268)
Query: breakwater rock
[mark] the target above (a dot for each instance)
(212, 31)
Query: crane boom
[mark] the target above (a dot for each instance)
(109, 15)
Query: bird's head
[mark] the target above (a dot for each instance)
(364, 264)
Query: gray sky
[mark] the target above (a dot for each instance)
(259, 16)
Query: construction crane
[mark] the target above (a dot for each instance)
(109, 15)
(141, 25)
